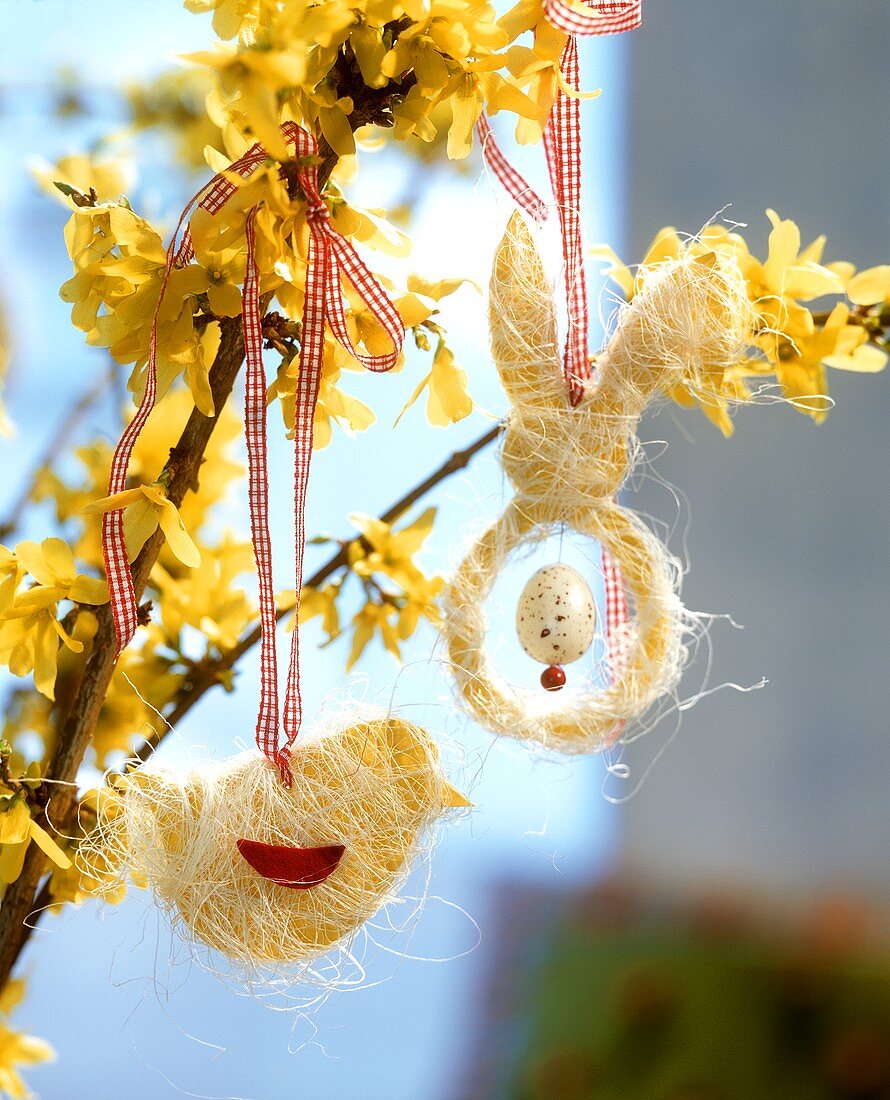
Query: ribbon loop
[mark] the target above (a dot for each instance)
(562, 147)
(594, 17)
(330, 257)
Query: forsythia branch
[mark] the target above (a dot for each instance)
(76, 727)
(209, 672)
(54, 448)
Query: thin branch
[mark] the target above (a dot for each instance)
(371, 105)
(76, 727)
(58, 440)
(208, 674)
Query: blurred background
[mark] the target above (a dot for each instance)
(714, 925)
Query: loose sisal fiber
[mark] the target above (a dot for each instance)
(374, 787)
(690, 317)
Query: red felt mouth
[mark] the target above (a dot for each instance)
(296, 868)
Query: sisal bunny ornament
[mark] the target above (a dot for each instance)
(690, 316)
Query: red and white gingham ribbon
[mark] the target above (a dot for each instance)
(516, 186)
(617, 616)
(616, 612)
(562, 145)
(330, 258)
(594, 16)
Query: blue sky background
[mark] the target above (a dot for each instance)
(111, 989)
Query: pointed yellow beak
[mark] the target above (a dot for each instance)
(452, 798)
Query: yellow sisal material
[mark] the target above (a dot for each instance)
(690, 317)
(374, 787)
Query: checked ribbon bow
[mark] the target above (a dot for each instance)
(331, 258)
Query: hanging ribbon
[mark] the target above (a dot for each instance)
(516, 186)
(594, 16)
(562, 148)
(331, 257)
(617, 616)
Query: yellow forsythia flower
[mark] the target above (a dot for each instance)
(148, 508)
(206, 597)
(17, 830)
(448, 399)
(320, 602)
(870, 287)
(16, 1049)
(391, 552)
(788, 277)
(53, 566)
(230, 17)
(11, 571)
(30, 631)
(800, 368)
(383, 552)
(108, 177)
(374, 618)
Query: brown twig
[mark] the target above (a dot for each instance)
(209, 673)
(874, 319)
(371, 105)
(76, 727)
(59, 438)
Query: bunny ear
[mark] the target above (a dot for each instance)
(523, 321)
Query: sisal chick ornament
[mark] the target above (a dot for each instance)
(270, 874)
(690, 317)
(280, 854)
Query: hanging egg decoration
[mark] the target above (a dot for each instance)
(556, 620)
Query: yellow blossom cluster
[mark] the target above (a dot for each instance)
(324, 64)
(34, 580)
(335, 69)
(790, 342)
(397, 593)
(37, 583)
(119, 261)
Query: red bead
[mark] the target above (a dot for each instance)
(553, 678)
